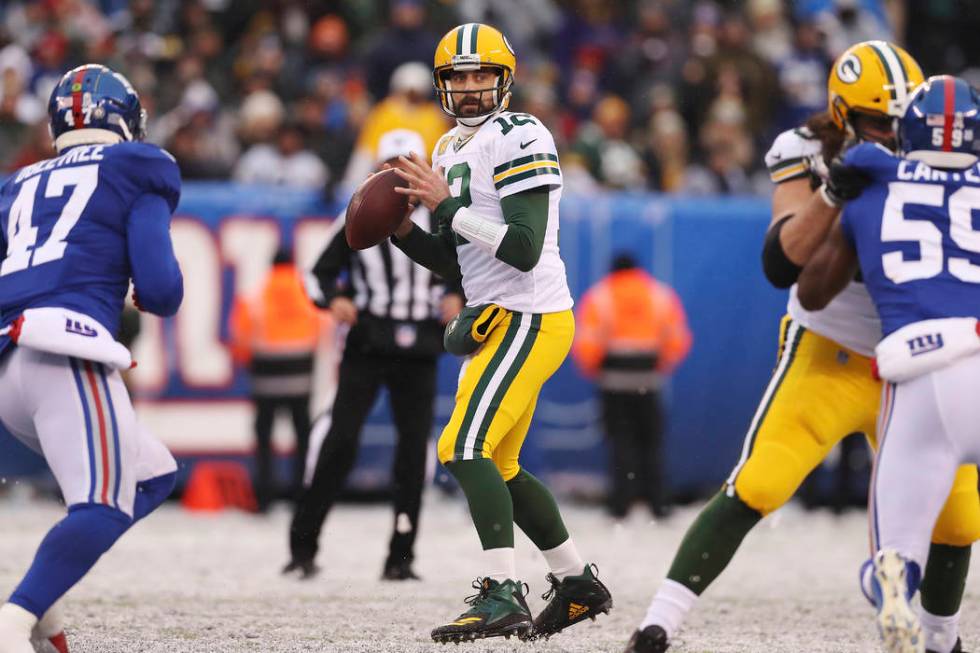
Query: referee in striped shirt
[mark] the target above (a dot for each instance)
(396, 311)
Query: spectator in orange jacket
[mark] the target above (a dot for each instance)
(275, 333)
(631, 331)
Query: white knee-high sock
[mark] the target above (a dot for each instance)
(941, 632)
(564, 559)
(669, 607)
(53, 621)
(16, 624)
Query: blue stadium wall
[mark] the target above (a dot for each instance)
(707, 249)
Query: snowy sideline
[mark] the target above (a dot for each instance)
(183, 583)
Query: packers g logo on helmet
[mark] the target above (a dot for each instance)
(474, 46)
(849, 69)
(875, 77)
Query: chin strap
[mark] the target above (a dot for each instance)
(470, 125)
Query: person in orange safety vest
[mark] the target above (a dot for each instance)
(275, 332)
(631, 331)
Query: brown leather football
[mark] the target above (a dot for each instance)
(375, 210)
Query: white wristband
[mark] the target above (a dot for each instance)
(479, 230)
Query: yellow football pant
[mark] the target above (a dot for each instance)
(820, 393)
(499, 386)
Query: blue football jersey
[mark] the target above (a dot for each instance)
(916, 230)
(63, 225)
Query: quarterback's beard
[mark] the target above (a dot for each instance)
(475, 113)
(474, 107)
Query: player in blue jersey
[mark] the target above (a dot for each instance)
(74, 230)
(911, 225)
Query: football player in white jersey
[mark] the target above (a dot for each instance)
(823, 387)
(494, 189)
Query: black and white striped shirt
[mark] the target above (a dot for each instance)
(382, 281)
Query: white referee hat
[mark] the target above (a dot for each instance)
(399, 142)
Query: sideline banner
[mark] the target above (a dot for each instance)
(191, 394)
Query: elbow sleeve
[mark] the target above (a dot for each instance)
(779, 270)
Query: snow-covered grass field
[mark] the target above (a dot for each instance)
(190, 583)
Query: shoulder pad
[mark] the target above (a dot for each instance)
(791, 154)
(150, 167)
(524, 155)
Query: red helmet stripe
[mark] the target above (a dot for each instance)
(949, 92)
(76, 98)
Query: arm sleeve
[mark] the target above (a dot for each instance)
(519, 241)
(334, 259)
(526, 215)
(435, 251)
(156, 273)
(779, 270)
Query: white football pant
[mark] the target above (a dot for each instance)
(78, 415)
(928, 427)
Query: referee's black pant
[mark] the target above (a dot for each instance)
(411, 384)
(634, 424)
(265, 415)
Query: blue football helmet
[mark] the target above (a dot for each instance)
(95, 97)
(941, 124)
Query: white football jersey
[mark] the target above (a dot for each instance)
(850, 319)
(510, 153)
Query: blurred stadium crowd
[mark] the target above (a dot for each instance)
(667, 95)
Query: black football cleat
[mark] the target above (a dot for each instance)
(304, 569)
(498, 610)
(652, 639)
(399, 570)
(572, 599)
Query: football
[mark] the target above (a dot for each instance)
(375, 210)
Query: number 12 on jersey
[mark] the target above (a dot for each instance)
(21, 231)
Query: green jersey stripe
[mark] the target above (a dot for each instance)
(527, 174)
(521, 161)
(481, 385)
(508, 380)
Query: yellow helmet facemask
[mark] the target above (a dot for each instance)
(873, 77)
(469, 47)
